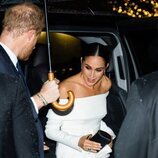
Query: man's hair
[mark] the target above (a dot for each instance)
(23, 17)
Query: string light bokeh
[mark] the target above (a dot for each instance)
(136, 8)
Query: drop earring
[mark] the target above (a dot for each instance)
(104, 72)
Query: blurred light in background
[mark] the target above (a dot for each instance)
(136, 8)
(64, 48)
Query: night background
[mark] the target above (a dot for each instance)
(133, 8)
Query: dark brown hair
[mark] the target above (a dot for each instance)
(97, 49)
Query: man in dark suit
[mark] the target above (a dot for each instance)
(138, 135)
(20, 130)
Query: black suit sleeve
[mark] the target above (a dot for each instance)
(18, 134)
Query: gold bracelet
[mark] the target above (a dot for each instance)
(42, 99)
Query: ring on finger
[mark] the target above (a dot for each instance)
(89, 149)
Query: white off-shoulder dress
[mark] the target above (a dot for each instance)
(85, 118)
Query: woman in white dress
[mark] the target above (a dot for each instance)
(91, 87)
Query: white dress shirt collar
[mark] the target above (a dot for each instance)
(11, 55)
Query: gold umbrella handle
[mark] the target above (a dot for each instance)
(71, 97)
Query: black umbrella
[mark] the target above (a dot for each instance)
(51, 74)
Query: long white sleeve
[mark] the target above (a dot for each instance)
(53, 131)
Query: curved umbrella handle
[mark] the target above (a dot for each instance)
(71, 97)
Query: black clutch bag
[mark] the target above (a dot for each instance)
(101, 137)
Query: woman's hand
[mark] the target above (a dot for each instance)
(89, 145)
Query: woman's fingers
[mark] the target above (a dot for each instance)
(91, 146)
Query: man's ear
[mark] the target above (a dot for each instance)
(31, 34)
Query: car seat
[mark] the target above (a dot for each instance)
(116, 104)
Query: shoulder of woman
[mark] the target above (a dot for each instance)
(66, 85)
